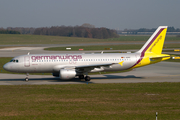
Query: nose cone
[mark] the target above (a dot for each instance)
(6, 67)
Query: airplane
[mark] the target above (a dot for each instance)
(68, 66)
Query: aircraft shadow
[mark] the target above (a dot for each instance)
(30, 79)
(56, 79)
(52, 79)
(117, 77)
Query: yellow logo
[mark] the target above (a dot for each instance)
(121, 63)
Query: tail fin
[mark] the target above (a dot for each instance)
(155, 42)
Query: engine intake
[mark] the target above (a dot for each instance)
(55, 74)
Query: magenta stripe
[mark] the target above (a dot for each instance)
(143, 52)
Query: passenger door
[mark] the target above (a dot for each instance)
(27, 61)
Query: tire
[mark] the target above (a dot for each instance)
(81, 77)
(87, 78)
(26, 79)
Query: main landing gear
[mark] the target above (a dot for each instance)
(87, 78)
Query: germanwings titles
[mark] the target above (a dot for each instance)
(68, 66)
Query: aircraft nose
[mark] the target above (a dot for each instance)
(6, 67)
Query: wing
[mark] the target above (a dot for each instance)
(88, 68)
(95, 65)
(83, 68)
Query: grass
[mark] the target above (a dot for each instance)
(139, 101)
(82, 101)
(4, 60)
(103, 47)
(19, 39)
(96, 47)
(13, 39)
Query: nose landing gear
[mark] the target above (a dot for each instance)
(27, 79)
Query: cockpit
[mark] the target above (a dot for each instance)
(14, 60)
(13, 65)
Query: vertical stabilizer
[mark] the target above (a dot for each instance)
(155, 42)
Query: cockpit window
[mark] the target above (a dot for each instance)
(14, 61)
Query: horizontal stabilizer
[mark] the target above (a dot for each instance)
(159, 57)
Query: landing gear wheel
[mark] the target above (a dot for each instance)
(26, 79)
(87, 78)
(81, 76)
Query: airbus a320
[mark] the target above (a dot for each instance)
(68, 66)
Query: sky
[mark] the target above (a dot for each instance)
(113, 14)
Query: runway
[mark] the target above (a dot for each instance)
(160, 72)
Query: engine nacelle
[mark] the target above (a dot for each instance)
(66, 74)
(55, 74)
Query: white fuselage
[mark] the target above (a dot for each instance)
(54, 62)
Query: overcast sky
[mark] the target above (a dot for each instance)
(114, 14)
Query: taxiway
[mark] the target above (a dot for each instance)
(160, 72)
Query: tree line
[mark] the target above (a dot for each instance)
(77, 31)
(86, 30)
(2, 31)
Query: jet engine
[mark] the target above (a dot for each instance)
(55, 74)
(67, 74)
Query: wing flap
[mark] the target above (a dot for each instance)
(95, 65)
